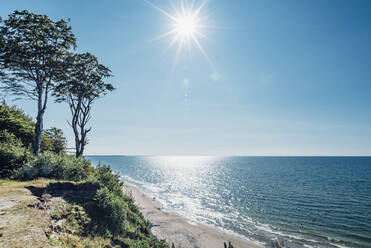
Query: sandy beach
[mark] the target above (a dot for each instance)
(178, 229)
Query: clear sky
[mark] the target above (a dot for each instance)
(283, 77)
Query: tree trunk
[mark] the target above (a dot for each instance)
(83, 143)
(80, 145)
(38, 128)
(80, 116)
(82, 148)
(77, 145)
(77, 141)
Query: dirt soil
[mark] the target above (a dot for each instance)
(22, 224)
(27, 214)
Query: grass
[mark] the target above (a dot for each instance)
(21, 225)
(7, 186)
(68, 221)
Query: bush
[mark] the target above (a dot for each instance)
(112, 209)
(63, 166)
(55, 166)
(78, 218)
(16, 160)
(152, 242)
(119, 217)
(12, 154)
(15, 121)
(53, 140)
(104, 176)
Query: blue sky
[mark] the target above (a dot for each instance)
(285, 78)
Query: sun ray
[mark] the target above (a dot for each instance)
(197, 11)
(186, 26)
(182, 5)
(164, 35)
(161, 10)
(201, 48)
(180, 43)
(200, 34)
(174, 40)
(192, 5)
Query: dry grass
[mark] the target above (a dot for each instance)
(20, 224)
(18, 187)
(23, 225)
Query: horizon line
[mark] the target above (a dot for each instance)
(162, 155)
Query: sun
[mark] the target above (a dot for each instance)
(185, 25)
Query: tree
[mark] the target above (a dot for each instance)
(84, 83)
(33, 57)
(53, 140)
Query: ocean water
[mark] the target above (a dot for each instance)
(300, 201)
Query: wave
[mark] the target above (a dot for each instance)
(265, 199)
(211, 218)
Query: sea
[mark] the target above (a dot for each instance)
(289, 201)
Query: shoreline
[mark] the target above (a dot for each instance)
(180, 230)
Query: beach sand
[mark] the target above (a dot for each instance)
(178, 229)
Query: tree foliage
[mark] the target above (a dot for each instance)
(32, 58)
(16, 136)
(15, 121)
(83, 84)
(53, 139)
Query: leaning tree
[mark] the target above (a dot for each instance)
(84, 83)
(33, 57)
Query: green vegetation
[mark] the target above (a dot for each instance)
(104, 216)
(12, 153)
(109, 213)
(37, 62)
(15, 121)
(16, 138)
(33, 55)
(53, 140)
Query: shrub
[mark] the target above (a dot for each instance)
(25, 172)
(53, 140)
(12, 154)
(63, 166)
(113, 209)
(17, 122)
(104, 176)
(118, 213)
(46, 143)
(78, 218)
(9, 138)
(56, 166)
(152, 242)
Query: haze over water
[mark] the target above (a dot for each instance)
(304, 201)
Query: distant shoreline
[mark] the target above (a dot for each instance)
(180, 230)
(253, 156)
